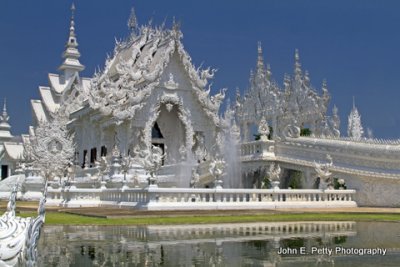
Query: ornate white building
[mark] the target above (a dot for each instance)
(150, 94)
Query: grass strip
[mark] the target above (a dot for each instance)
(59, 218)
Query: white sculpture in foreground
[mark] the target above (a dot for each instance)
(50, 150)
(19, 236)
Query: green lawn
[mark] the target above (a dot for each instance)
(59, 218)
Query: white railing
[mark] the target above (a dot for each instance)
(257, 148)
(200, 198)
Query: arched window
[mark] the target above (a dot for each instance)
(156, 132)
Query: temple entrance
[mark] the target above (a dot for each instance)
(157, 139)
(168, 133)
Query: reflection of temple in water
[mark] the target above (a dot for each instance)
(251, 244)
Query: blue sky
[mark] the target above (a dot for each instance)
(355, 45)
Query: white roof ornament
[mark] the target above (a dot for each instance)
(4, 116)
(297, 65)
(354, 127)
(4, 125)
(260, 60)
(132, 21)
(71, 64)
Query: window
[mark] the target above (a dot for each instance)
(103, 151)
(93, 156)
(156, 132)
(84, 158)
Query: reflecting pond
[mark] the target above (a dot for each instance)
(251, 244)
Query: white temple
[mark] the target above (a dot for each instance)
(149, 112)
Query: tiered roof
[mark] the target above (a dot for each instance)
(61, 85)
(136, 68)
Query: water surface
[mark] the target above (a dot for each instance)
(251, 244)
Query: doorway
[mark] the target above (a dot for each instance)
(4, 171)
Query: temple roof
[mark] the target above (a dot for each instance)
(147, 54)
(137, 67)
(61, 86)
(13, 150)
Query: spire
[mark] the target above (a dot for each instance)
(132, 22)
(354, 127)
(4, 125)
(71, 55)
(268, 72)
(335, 110)
(4, 117)
(297, 65)
(260, 60)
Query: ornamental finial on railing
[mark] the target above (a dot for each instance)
(263, 129)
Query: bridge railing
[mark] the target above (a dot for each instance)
(257, 148)
(192, 197)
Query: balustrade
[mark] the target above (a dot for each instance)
(197, 196)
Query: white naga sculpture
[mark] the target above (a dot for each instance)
(19, 236)
(324, 173)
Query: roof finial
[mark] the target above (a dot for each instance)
(260, 60)
(268, 71)
(4, 125)
(132, 21)
(297, 65)
(72, 23)
(71, 54)
(4, 116)
(354, 102)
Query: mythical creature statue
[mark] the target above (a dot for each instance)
(323, 172)
(273, 175)
(200, 151)
(151, 159)
(216, 168)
